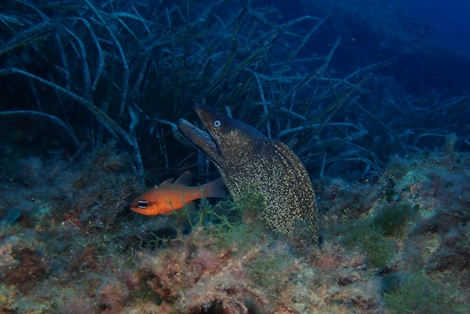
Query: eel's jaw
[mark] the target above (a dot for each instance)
(201, 139)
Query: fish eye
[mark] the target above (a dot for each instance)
(142, 204)
(217, 123)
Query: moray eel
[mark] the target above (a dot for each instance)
(247, 159)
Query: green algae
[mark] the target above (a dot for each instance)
(393, 219)
(370, 239)
(417, 293)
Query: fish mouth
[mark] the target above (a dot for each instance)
(200, 138)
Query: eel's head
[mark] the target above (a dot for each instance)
(227, 139)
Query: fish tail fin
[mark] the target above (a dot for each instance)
(215, 189)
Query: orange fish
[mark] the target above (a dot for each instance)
(169, 196)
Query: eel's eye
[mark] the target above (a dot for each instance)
(217, 123)
(142, 204)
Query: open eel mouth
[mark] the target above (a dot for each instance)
(200, 138)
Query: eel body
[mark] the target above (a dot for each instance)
(248, 160)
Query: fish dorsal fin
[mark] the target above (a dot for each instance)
(166, 182)
(184, 179)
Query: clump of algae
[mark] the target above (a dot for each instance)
(369, 238)
(417, 293)
(393, 219)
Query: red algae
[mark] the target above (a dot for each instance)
(227, 262)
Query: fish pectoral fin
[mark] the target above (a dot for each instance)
(174, 206)
(184, 179)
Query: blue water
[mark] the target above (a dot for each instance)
(450, 19)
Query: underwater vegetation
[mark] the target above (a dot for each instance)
(90, 93)
(76, 247)
(80, 73)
